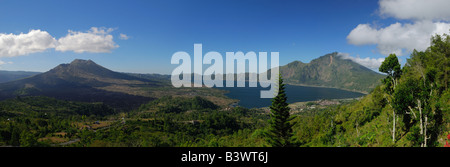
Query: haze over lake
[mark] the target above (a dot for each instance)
(250, 96)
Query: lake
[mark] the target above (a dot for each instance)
(249, 97)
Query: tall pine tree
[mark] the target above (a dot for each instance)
(280, 131)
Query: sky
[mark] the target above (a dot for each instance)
(141, 36)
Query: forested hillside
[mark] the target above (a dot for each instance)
(168, 121)
(36, 121)
(410, 108)
(331, 70)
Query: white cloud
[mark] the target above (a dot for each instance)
(429, 17)
(370, 63)
(34, 41)
(96, 40)
(363, 34)
(437, 10)
(397, 37)
(124, 37)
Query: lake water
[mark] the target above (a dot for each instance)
(249, 97)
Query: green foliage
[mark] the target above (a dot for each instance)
(280, 130)
(418, 94)
(405, 96)
(27, 139)
(24, 120)
(171, 104)
(392, 67)
(197, 123)
(220, 123)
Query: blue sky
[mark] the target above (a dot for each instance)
(153, 30)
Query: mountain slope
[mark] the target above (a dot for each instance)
(331, 71)
(81, 80)
(6, 76)
(414, 113)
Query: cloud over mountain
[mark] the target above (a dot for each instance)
(34, 41)
(428, 18)
(95, 40)
(368, 62)
(397, 37)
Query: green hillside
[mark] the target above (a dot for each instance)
(331, 71)
(168, 121)
(34, 121)
(411, 110)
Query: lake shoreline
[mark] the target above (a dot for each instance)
(249, 97)
(317, 86)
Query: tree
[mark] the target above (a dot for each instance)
(405, 96)
(417, 93)
(15, 137)
(414, 101)
(280, 130)
(27, 139)
(439, 52)
(391, 67)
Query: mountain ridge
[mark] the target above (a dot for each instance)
(6, 76)
(80, 80)
(332, 71)
(86, 81)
